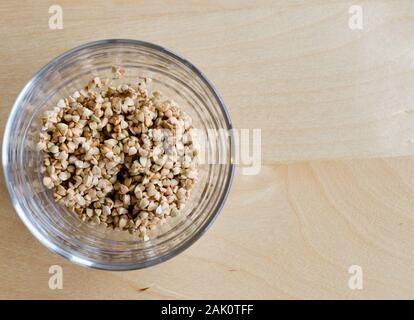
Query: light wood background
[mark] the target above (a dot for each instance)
(336, 110)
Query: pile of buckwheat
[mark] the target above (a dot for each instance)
(122, 157)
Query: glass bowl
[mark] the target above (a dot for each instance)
(61, 230)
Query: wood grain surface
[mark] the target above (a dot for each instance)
(336, 111)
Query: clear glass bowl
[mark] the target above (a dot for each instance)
(61, 230)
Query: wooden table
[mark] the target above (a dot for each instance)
(335, 106)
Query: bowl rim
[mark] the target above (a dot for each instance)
(60, 250)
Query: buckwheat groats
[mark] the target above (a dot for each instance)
(122, 157)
